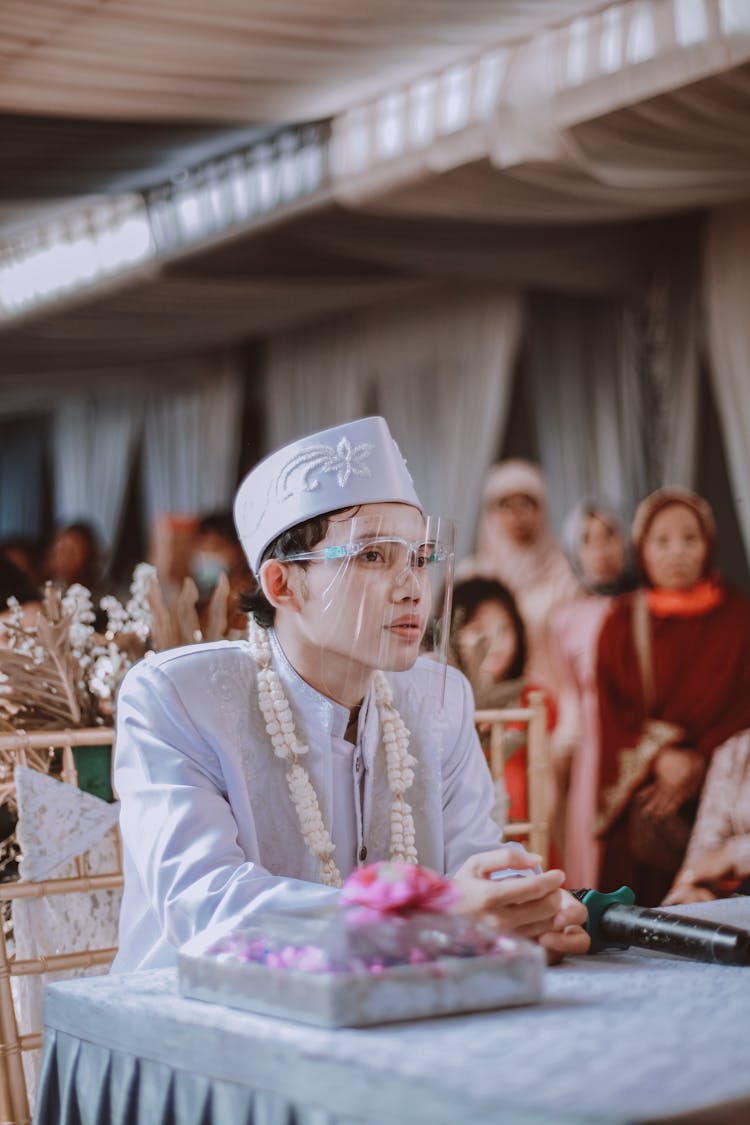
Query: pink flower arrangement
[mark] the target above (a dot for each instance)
(398, 888)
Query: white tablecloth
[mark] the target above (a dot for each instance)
(619, 1037)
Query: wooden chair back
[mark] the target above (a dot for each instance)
(534, 830)
(25, 749)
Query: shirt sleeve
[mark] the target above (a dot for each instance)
(180, 836)
(468, 792)
(724, 801)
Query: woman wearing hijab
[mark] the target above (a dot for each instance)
(674, 683)
(516, 546)
(596, 541)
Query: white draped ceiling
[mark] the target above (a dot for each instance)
(242, 60)
(512, 144)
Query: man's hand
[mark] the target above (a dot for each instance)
(533, 906)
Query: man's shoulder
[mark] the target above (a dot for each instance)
(429, 682)
(194, 663)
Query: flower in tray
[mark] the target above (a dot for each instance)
(398, 888)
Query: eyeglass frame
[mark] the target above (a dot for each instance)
(340, 551)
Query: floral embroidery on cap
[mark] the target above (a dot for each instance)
(345, 460)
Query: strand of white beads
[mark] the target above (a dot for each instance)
(277, 713)
(280, 727)
(399, 765)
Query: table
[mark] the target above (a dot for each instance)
(620, 1037)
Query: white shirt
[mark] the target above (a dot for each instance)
(209, 830)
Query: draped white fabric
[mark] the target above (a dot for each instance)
(727, 300)
(21, 447)
(439, 368)
(674, 346)
(636, 109)
(582, 366)
(191, 439)
(92, 448)
(57, 822)
(258, 61)
(315, 378)
(445, 375)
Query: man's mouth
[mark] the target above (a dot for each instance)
(409, 627)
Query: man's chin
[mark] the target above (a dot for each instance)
(400, 657)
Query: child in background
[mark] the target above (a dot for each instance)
(488, 644)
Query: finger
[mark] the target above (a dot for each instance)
(532, 931)
(540, 910)
(572, 913)
(675, 896)
(574, 940)
(515, 892)
(511, 855)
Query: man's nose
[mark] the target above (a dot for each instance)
(407, 581)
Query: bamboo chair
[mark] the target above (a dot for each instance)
(21, 747)
(535, 830)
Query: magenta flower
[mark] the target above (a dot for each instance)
(398, 888)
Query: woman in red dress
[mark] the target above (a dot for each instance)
(673, 680)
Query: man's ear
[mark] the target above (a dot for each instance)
(276, 585)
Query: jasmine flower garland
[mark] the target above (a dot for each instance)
(280, 728)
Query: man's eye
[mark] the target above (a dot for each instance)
(428, 553)
(371, 555)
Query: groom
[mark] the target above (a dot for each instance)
(256, 775)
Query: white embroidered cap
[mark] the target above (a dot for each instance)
(355, 463)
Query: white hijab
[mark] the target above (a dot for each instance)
(519, 566)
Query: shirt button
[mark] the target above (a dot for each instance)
(358, 765)
(362, 854)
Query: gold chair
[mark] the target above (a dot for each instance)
(536, 829)
(24, 749)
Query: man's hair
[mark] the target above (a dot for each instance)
(298, 539)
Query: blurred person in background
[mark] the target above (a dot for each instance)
(516, 546)
(488, 644)
(15, 583)
(217, 551)
(26, 552)
(75, 555)
(673, 682)
(596, 541)
(717, 860)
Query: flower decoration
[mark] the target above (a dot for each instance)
(63, 668)
(398, 888)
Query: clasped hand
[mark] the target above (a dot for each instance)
(533, 906)
(678, 775)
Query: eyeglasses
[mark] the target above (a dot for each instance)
(381, 553)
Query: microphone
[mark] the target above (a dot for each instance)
(615, 922)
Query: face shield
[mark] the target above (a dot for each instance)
(374, 593)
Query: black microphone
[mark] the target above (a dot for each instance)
(615, 922)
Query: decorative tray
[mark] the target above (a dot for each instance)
(346, 996)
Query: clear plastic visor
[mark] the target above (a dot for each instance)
(375, 593)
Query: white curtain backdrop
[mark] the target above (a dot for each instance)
(586, 395)
(93, 441)
(674, 362)
(439, 368)
(445, 376)
(315, 378)
(727, 301)
(21, 448)
(191, 439)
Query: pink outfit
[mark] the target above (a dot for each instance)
(724, 811)
(575, 634)
(537, 574)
